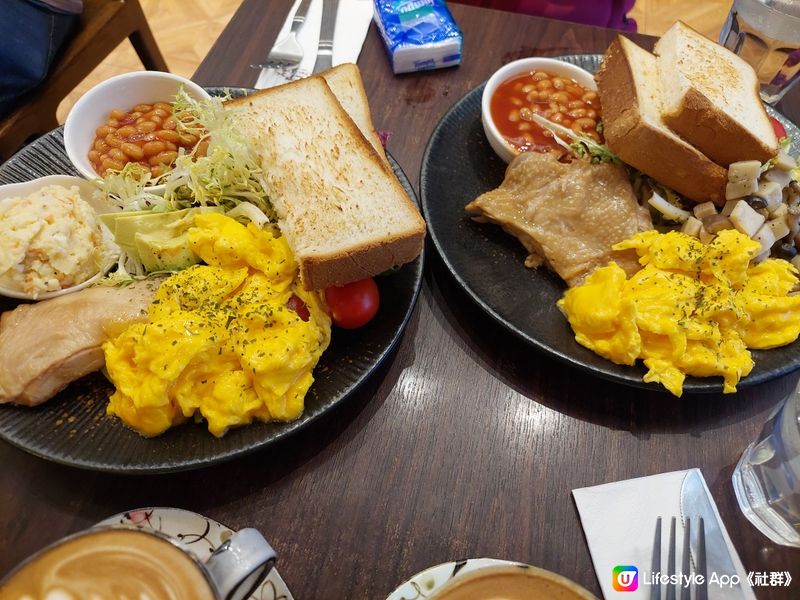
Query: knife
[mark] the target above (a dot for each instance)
(695, 503)
(326, 33)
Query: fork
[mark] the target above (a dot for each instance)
(699, 582)
(287, 52)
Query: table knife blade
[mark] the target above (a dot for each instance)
(327, 30)
(695, 503)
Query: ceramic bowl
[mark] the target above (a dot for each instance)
(524, 65)
(87, 192)
(121, 92)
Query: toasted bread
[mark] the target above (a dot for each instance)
(339, 205)
(629, 87)
(711, 99)
(345, 82)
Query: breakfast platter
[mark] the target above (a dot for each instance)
(458, 165)
(73, 427)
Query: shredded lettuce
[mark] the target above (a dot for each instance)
(581, 146)
(228, 174)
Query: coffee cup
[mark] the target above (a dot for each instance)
(510, 581)
(121, 561)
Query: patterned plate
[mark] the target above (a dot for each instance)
(198, 534)
(73, 429)
(458, 166)
(425, 583)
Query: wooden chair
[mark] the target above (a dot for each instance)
(104, 25)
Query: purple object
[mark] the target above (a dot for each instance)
(602, 13)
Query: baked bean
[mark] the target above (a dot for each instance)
(202, 148)
(133, 151)
(146, 135)
(163, 158)
(126, 131)
(519, 98)
(113, 141)
(153, 148)
(168, 135)
(574, 90)
(146, 127)
(110, 163)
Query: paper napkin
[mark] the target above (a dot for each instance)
(352, 23)
(619, 520)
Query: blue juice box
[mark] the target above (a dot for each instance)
(418, 34)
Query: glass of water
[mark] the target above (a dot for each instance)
(766, 33)
(767, 478)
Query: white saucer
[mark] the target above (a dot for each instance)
(201, 535)
(424, 583)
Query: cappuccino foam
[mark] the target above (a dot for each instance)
(110, 564)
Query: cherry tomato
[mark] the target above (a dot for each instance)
(780, 132)
(354, 304)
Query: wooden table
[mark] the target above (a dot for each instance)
(467, 442)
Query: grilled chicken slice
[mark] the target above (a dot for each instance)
(47, 345)
(567, 215)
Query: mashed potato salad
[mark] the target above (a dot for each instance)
(223, 341)
(51, 240)
(693, 309)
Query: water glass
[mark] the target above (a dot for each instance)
(767, 478)
(766, 33)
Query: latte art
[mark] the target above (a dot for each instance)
(110, 564)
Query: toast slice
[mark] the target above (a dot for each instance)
(346, 84)
(711, 98)
(630, 89)
(340, 206)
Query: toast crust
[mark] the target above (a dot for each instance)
(320, 177)
(651, 147)
(324, 271)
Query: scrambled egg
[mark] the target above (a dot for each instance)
(693, 309)
(222, 341)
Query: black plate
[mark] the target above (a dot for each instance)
(73, 429)
(459, 165)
